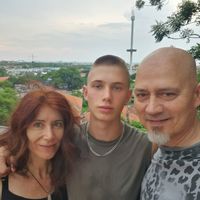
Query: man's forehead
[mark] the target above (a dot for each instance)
(156, 89)
(160, 84)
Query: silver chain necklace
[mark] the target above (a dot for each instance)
(108, 152)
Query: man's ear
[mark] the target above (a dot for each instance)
(85, 92)
(197, 95)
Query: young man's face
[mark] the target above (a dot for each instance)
(107, 92)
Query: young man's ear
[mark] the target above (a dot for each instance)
(85, 92)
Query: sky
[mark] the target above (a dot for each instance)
(78, 30)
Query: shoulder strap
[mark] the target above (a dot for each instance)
(0, 189)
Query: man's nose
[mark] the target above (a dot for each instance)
(154, 106)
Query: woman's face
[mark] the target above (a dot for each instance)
(45, 133)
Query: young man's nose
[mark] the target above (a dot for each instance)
(107, 94)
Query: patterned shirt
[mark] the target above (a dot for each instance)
(174, 174)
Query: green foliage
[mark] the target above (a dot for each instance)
(77, 93)
(8, 100)
(24, 79)
(84, 106)
(198, 76)
(140, 4)
(65, 78)
(195, 51)
(137, 125)
(6, 83)
(3, 72)
(157, 3)
(177, 25)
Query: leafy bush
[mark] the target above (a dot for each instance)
(8, 100)
(137, 125)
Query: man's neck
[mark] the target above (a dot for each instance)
(188, 138)
(105, 131)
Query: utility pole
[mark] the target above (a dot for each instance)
(131, 50)
(32, 58)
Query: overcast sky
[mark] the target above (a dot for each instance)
(77, 30)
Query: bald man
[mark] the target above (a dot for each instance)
(166, 99)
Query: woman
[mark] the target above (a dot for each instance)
(40, 136)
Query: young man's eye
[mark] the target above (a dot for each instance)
(97, 86)
(117, 88)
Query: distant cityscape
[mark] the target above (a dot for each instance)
(15, 68)
(18, 72)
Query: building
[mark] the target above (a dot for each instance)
(4, 78)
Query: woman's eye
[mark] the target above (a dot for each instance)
(37, 125)
(58, 124)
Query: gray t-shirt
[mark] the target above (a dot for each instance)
(116, 176)
(174, 174)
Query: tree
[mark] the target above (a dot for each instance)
(8, 99)
(65, 78)
(3, 72)
(195, 51)
(178, 24)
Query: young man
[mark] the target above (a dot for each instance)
(114, 156)
(166, 98)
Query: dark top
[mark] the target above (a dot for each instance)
(7, 195)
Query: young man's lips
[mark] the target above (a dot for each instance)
(105, 108)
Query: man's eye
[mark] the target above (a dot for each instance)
(141, 95)
(168, 95)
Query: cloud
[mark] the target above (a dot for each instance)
(76, 30)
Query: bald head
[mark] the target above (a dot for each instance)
(170, 59)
